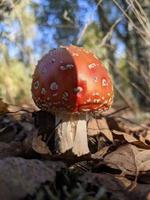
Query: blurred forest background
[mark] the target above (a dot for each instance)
(117, 31)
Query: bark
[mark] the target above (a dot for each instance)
(105, 25)
(138, 53)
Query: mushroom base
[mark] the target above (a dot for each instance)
(71, 133)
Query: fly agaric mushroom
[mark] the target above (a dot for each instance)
(71, 82)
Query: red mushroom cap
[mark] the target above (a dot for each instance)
(72, 79)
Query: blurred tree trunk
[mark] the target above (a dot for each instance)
(105, 25)
(138, 55)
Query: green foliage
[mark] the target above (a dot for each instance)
(92, 39)
(16, 53)
(15, 82)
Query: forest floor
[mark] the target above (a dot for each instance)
(117, 168)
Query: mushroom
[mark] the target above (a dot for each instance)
(71, 82)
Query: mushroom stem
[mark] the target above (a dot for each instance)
(71, 134)
(80, 146)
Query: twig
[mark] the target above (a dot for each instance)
(133, 122)
(89, 21)
(117, 111)
(135, 86)
(109, 33)
(140, 15)
(141, 32)
(123, 97)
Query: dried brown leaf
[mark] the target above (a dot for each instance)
(129, 138)
(140, 141)
(39, 145)
(101, 153)
(3, 107)
(114, 124)
(109, 183)
(117, 185)
(97, 126)
(141, 191)
(129, 159)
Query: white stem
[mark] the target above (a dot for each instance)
(80, 146)
(71, 134)
(64, 135)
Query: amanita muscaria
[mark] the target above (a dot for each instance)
(71, 82)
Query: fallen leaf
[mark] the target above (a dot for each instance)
(140, 191)
(130, 159)
(141, 141)
(129, 138)
(39, 145)
(111, 185)
(101, 153)
(114, 124)
(97, 126)
(3, 107)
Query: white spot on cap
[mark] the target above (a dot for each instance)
(78, 89)
(54, 86)
(88, 100)
(65, 96)
(75, 54)
(95, 79)
(110, 99)
(67, 66)
(95, 57)
(92, 65)
(53, 60)
(103, 98)
(105, 109)
(43, 91)
(62, 67)
(85, 109)
(108, 94)
(56, 103)
(96, 100)
(36, 85)
(106, 102)
(44, 105)
(96, 94)
(86, 51)
(55, 94)
(104, 82)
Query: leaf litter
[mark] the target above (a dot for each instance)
(118, 167)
